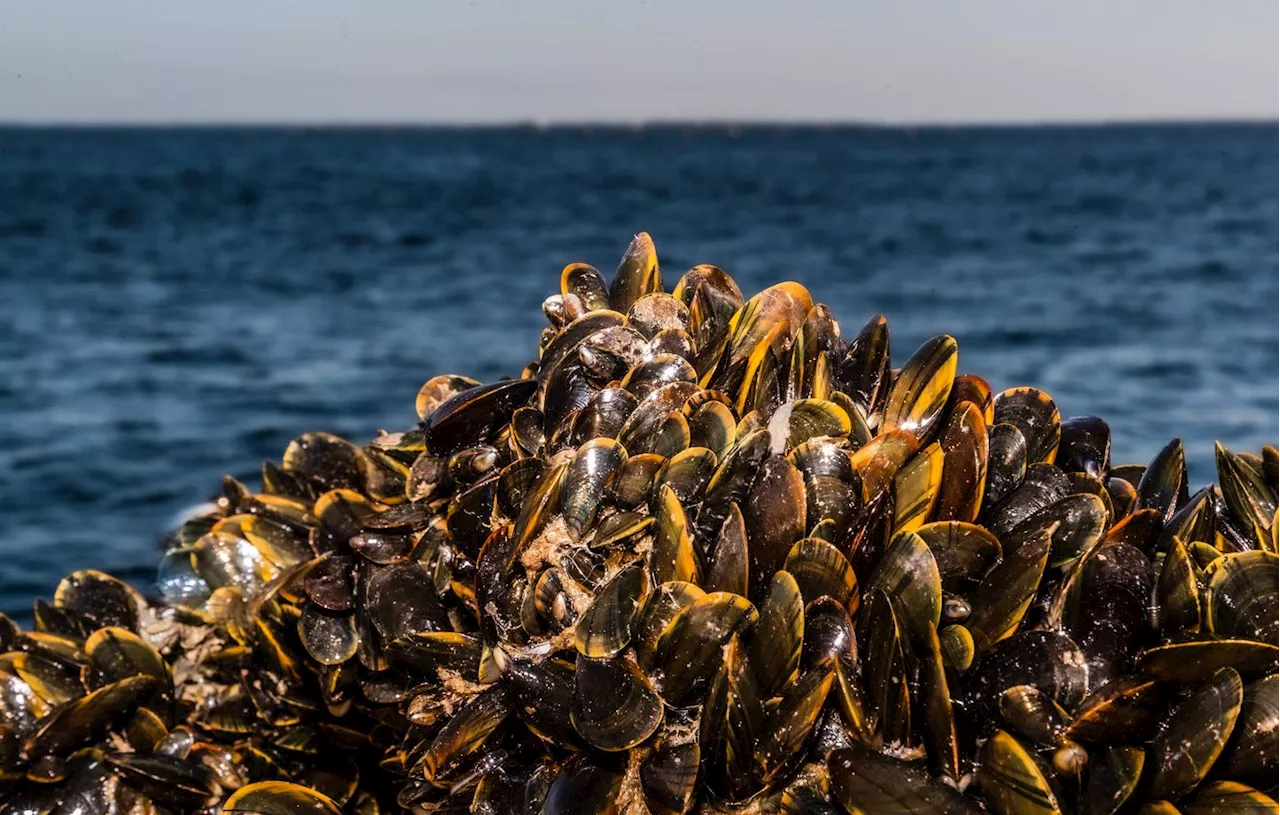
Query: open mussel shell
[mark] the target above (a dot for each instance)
(615, 706)
(1250, 499)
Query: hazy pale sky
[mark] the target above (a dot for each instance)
(622, 60)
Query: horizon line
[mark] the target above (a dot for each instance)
(633, 125)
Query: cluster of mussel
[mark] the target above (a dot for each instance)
(704, 555)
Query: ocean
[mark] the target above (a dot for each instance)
(179, 303)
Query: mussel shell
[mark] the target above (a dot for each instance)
(788, 725)
(730, 724)
(1042, 485)
(1127, 710)
(583, 788)
(1184, 752)
(165, 780)
(117, 653)
(614, 704)
(1085, 446)
(591, 471)
(606, 627)
(728, 569)
(1243, 597)
(732, 482)
(691, 645)
(687, 473)
(586, 283)
(920, 392)
(1035, 414)
(330, 637)
(964, 465)
(1106, 603)
(668, 777)
(1075, 524)
(330, 461)
(605, 415)
(822, 570)
(1014, 779)
(634, 480)
(464, 735)
(884, 669)
(713, 426)
(863, 373)
(774, 514)
(475, 415)
(618, 527)
(279, 798)
(775, 644)
(657, 371)
(1178, 607)
(964, 553)
(1226, 798)
(1048, 660)
(828, 634)
(99, 599)
(1002, 598)
(673, 556)
(423, 654)
(908, 575)
(1163, 486)
(1006, 461)
(637, 274)
(1030, 713)
(1196, 659)
(1113, 777)
(663, 606)
(1250, 755)
(1245, 491)
(864, 781)
(90, 717)
(400, 599)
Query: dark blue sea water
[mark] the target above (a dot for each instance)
(175, 304)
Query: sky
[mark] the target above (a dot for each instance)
(441, 61)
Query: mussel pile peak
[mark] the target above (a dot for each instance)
(705, 554)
